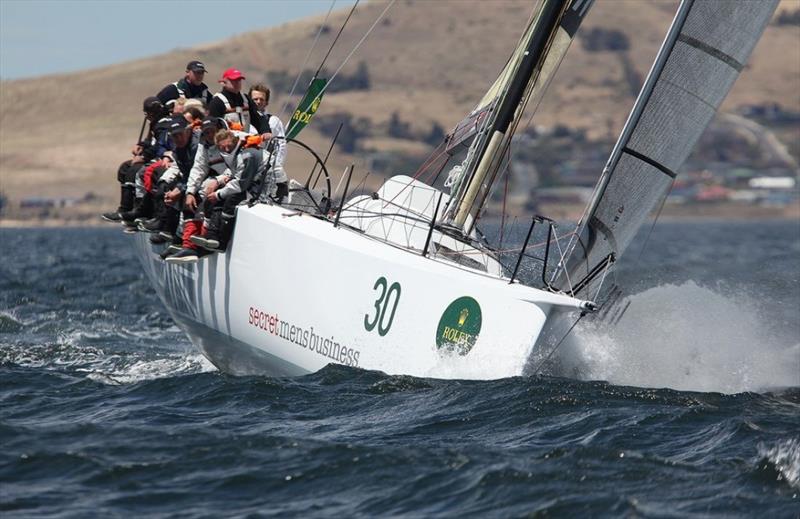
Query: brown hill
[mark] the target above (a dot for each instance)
(428, 61)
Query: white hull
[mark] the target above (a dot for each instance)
(294, 293)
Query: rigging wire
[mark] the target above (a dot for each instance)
(305, 61)
(562, 259)
(441, 168)
(355, 48)
(544, 361)
(322, 63)
(503, 217)
(431, 160)
(655, 220)
(602, 279)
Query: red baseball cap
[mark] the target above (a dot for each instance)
(232, 74)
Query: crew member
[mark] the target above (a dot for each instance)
(172, 183)
(252, 175)
(208, 172)
(191, 86)
(234, 106)
(147, 149)
(274, 135)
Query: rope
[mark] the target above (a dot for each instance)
(536, 371)
(305, 61)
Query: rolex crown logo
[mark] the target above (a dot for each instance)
(315, 105)
(462, 317)
(459, 326)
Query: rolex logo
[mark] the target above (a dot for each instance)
(459, 326)
(462, 317)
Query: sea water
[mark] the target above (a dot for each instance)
(685, 401)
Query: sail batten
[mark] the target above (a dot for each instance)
(703, 53)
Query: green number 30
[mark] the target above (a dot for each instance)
(381, 304)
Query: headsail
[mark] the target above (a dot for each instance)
(704, 51)
(524, 79)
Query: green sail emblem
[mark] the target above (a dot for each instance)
(459, 326)
(307, 107)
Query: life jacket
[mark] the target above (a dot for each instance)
(184, 158)
(183, 87)
(268, 116)
(215, 161)
(236, 114)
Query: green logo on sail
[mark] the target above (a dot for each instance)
(459, 326)
(307, 107)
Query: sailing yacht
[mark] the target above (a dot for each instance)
(402, 280)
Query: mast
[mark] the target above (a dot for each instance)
(535, 59)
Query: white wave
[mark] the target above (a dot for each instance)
(101, 365)
(785, 456)
(484, 363)
(141, 370)
(686, 337)
(59, 354)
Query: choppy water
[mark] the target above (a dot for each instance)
(688, 405)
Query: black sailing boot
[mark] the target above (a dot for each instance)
(210, 238)
(154, 221)
(142, 208)
(170, 218)
(127, 196)
(226, 231)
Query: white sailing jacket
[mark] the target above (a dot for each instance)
(203, 167)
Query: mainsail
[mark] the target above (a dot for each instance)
(705, 49)
(524, 79)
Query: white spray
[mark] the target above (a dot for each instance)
(687, 337)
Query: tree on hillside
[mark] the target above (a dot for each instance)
(351, 132)
(788, 17)
(436, 135)
(397, 128)
(282, 80)
(599, 39)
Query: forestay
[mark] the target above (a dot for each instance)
(706, 48)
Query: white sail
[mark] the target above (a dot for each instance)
(706, 48)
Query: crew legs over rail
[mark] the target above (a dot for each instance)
(197, 157)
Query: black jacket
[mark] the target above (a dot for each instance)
(173, 91)
(216, 108)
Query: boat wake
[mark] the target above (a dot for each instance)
(74, 354)
(687, 337)
(783, 458)
(141, 370)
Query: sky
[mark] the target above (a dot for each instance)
(39, 37)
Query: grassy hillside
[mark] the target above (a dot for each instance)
(427, 61)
